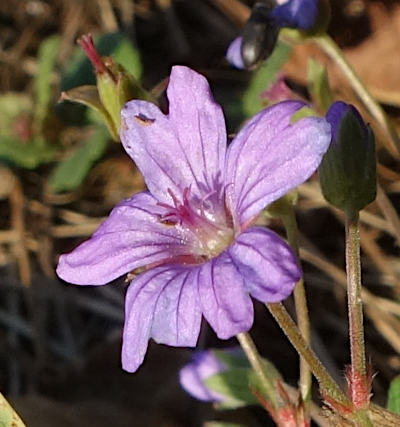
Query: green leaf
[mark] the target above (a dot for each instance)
(27, 155)
(116, 45)
(42, 84)
(234, 384)
(262, 78)
(393, 403)
(70, 173)
(231, 359)
(318, 85)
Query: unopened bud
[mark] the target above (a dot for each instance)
(115, 84)
(348, 169)
(259, 35)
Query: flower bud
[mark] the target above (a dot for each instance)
(114, 84)
(259, 35)
(348, 169)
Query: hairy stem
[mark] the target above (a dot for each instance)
(328, 386)
(255, 360)
(300, 300)
(359, 384)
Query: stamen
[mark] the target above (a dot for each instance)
(210, 228)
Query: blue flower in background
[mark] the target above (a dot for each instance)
(301, 14)
(261, 30)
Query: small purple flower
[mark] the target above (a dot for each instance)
(301, 14)
(192, 376)
(259, 36)
(192, 229)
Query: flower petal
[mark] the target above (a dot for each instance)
(177, 316)
(267, 263)
(161, 291)
(225, 303)
(234, 53)
(270, 156)
(185, 149)
(131, 237)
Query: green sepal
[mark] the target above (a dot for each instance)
(89, 96)
(318, 85)
(234, 384)
(239, 382)
(116, 88)
(231, 359)
(348, 169)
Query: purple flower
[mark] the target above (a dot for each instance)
(192, 376)
(260, 33)
(192, 229)
(300, 14)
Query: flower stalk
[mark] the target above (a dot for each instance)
(327, 384)
(275, 400)
(300, 299)
(255, 361)
(358, 377)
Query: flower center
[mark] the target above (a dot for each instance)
(208, 219)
